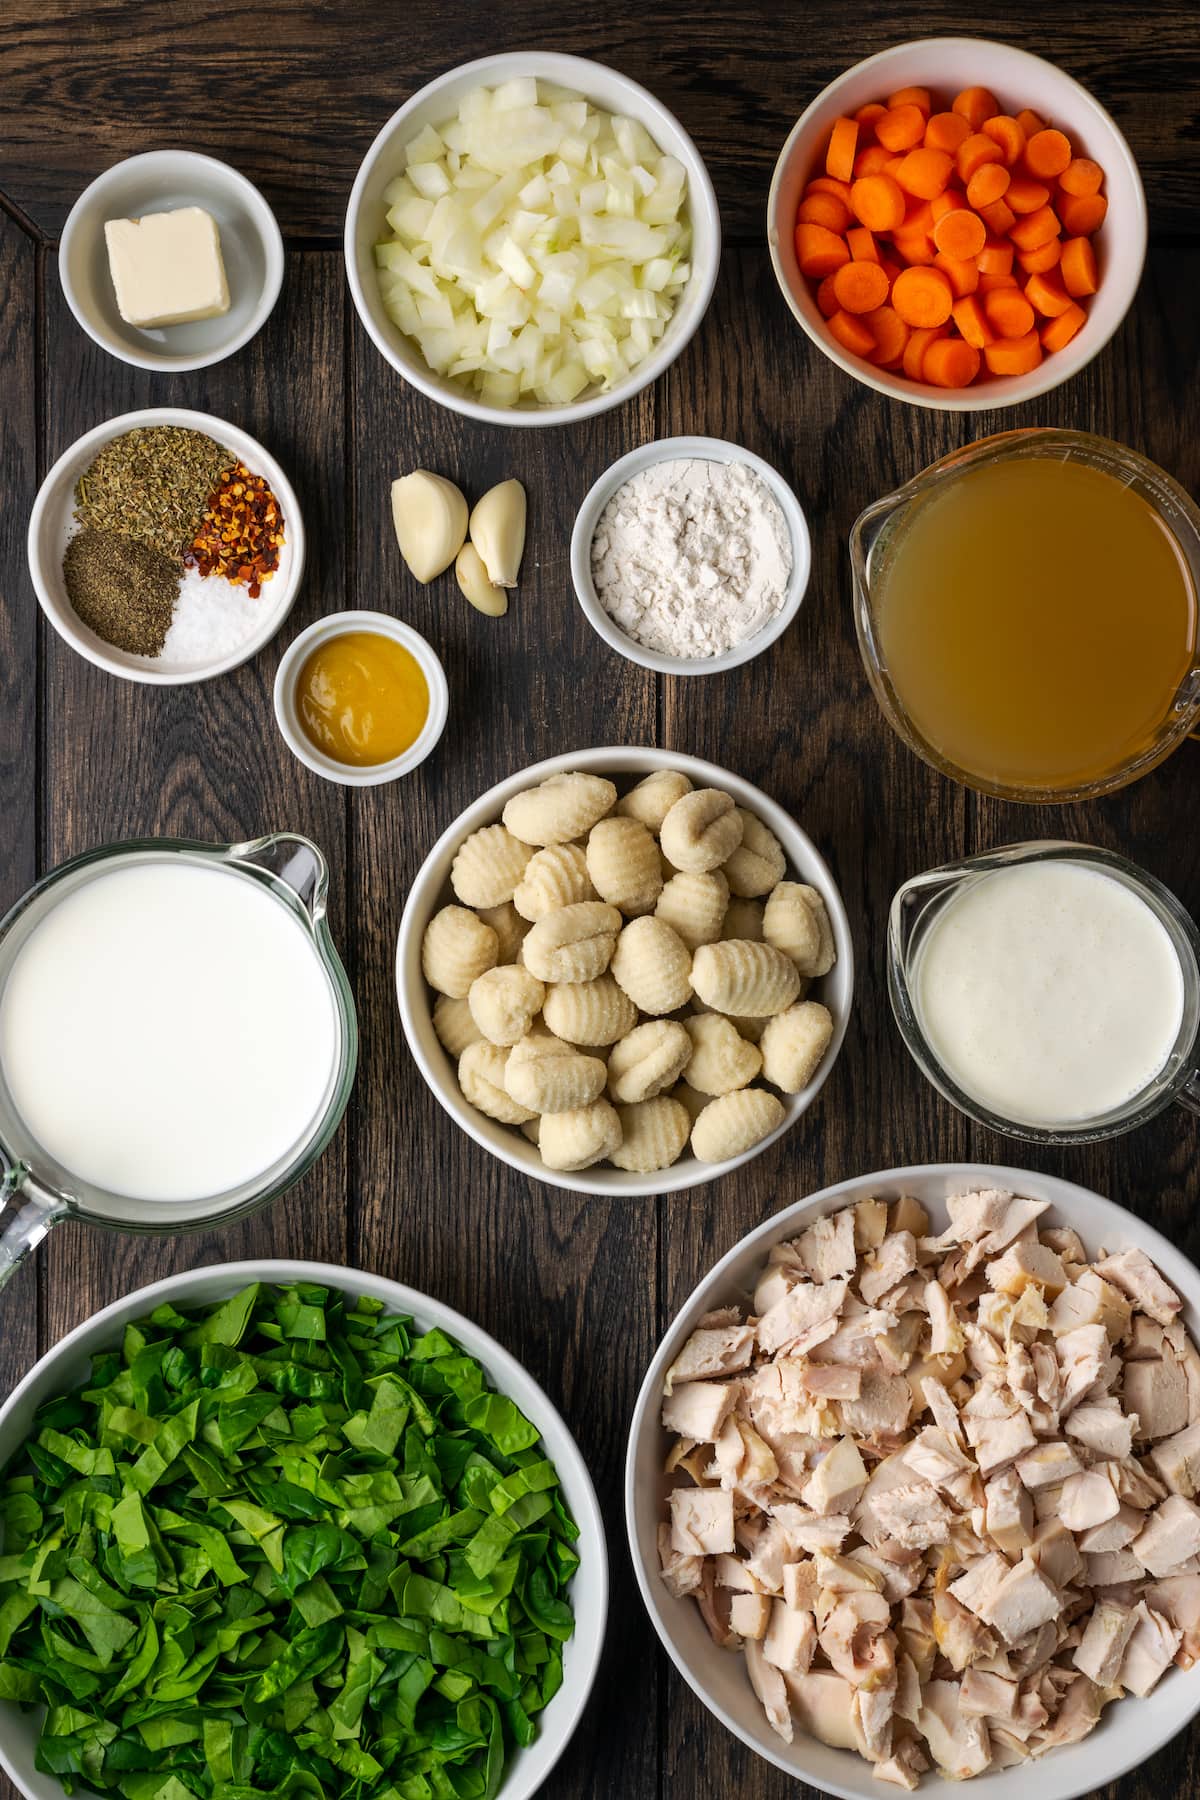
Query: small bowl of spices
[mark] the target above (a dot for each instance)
(361, 698)
(690, 556)
(166, 546)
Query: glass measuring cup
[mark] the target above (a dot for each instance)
(37, 1191)
(915, 909)
(879, 529)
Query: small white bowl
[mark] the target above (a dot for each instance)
(1131, 1730)
(1018, 80)
(431, 889)
(672, 450)
(69, 1361)
(160, 181)
(288, 718)
(433, 105)
(49, 529)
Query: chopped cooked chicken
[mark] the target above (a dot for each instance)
(1155, 1391)
(823, 1705)
(1178, 1599)
(1102, 1427)
(1136, 1276)
(895, 1258)
(1102, 1648)
(1008, 1519)
(854, 1635)
(958, 1744)
(1024, 1265)
(1150, 1650)
(769, 1685)
(827, 1248)
(881, 1407)
(1022, 1601)
(800, 1585)
(701, 1521)
(682, 1573)
(1047, 1464)
(915, 1516)
(750, 1614)
(1087, 1499)
(983, 1696)
(1090, 1300)
(791, 1637)
(1001, 1440)
(805, 1315)
(1171, 1536)
(1177, 1460)
(1084, 1361)
(723, 1350)
(959, 1635)
(831, 1381)
(698, 1409)
(840, 1478)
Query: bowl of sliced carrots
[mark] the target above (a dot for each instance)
(957, 223)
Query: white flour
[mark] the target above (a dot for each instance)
(691, 558)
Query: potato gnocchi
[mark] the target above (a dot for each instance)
(620, 977)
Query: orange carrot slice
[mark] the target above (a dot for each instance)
(924, 172)
(1078, 268)
(871, 161)
(912, 96)
(860, 286)
(825, 184)
(865, 118)
(1007, 133)
(950, 201)
(995, 258)
(988, 183)
(852, 334)
(843, 141)
(862, 245)
(999, 217)
(1015, 356)
(1035, 228)
(914, 351)
(960, 272)
(1025, 196)
(988, 284)
(1057, 333)
(971, 320)
(946, 131)
(1081, 176)
(950, 363)
(819, 251)
(1030, 122)
(877, 202)
(901, 127)
(1008, 312)
(1081, 214)
(975, 104)
(891, 336)
(961, 234)
(824, 209)
(1036, 262)
(1047, 295)
(826, 298)
(973, 152)
(1047, 154)
(922, 297)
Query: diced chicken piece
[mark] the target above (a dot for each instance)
(978, 1586)
(914, 1515)
(1146, 1340)
(805, 1315)
(958, 1744)
(826, 1249)
(1113, 1568)
(936, 1457)
(831, 1381)
(1023, 1264)
(1001, 1441)
(800, 1585)
(1022, 1601)
(772, 1550)
(1088, 1499)
(1101, 1651)
(1056, 1553)
(855, 1343)
(1068, 1243)
(791, 1638)
(899, 1771)
(870, 1224)
(724, 1350)
(809, 1531)
(898, 1579)
(823, 1706)
(1178, 1599)
(960, 1636)
(984, 1696)
(1090, 1300)
(746, 1460)
(946, 1335)
(900, 1342)
(1177, 1460)
(839, 1479)
(846, 1574)
(1047, 1463)
(1101, 1426)
(895, 1258)
(1083, 1358)
(698, 1409)
(1157, 1393)
(1171, 1536)
(1079, 1712)
(1135, 1275)
(701, 1521)
(874, 1709)
(1116, 1533)
(732, 1572)
(769, 1685)
(1150, 1651)
(907, 1214)
(945, 1413)
(749, 1614)
(881, 1408)
(776, 1280)
(681, 1572)
(1009, 1514)
(854, 1636)
(714, 1604)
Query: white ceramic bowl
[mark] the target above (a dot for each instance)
(1131, 1731)
(431, 889)
(68, 1363)
(1018, 80)
(287, 715)
(433, 105)
(49, 526)
(160, 181)
(670, 450)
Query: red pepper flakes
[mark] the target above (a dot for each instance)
(241, 533)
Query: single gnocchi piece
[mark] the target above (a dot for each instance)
(487, 866)
(454, 1025)
(653, 965)
(734, 1123)
(589, 1012)
(560, 808)
(722, 1059)
(694, 906)
(575, 943)
(456, 949)
(820, 961)
(509, 927)
(653, 1135)
(652, 799)
(758, 863)
(701, 831)
(547, 1076)
(651, 1058)
(790, 923)
(554, 877)
(794, 1045)
(622, 861)
(504, 1002)
(754, 980)
(579, 1137)
(481, 1069)
(743, 919)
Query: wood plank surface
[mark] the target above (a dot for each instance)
(292, 91)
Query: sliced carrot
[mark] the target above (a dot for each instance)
(825, 184)
(862, 245)
(1008, 312)
(975, 104)
(1014, 356)
(912, 96)
(950, 201)
(946, 131)
(891, 336)
(1007, 133)
(819, 251)
(865, 119)
(1079, 275)
(1047, 295)
(914, 350)
(916, 247)
(890, 267)
(960, 272)
(960, 234)
(973, 152)
(852, 334)
(860, 286)
(824, 209)
(989, 283)
(925, 172)
(1030, 123)
(1081, 176)
(988, 183)
(1057, 333)
(1081, 214)
(1035, 228)
(971, 320)
(871, 161)
(877, 202)
(901, 127)
(826, 298)
(843, 141)
(1026, 196)
(922, 297)
(950, 363)
(995, 258)
(1047, 153)
(1036, 262)
(999, 217)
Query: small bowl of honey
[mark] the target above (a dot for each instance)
(361, 698)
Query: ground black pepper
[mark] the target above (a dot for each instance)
(123, 589)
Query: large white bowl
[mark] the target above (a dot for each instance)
(1130, 1732)
(433, 105)
(432, 890)
(68, 1364)
(1018, 80)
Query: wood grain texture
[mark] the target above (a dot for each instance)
(292, 91)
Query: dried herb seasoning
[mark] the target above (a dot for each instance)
(241, 533)
(153, 483)
(125, 590)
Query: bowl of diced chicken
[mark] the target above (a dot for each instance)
(923, 1453)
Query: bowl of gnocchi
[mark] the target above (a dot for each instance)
(624, 971)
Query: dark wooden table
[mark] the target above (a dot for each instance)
(292, 94)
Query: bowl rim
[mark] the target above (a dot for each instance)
(573, 71)
(257, 210)
(500, 1364)
(703, 449)
(1177, 1268)
(234, 438)
(486, 809)
(333, 625)
(1053, 371)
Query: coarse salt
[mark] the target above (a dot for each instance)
(692, 557)
(213, 617)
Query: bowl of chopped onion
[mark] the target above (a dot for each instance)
(531, 239)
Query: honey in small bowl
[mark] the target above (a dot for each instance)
(361, 698)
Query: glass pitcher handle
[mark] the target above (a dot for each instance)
(294, 860)
(1189, 1094)
(26, 1215)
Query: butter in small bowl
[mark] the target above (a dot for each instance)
(167, 267)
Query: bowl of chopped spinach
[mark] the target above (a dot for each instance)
(282, 1528)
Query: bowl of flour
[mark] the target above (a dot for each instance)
(690, 556)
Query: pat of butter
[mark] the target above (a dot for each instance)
(166, 268)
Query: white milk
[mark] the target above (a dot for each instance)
(167, 1031)
(1049, 992)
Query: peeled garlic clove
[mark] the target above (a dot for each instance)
(498, 532)
(473, 580)
(430, 516)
